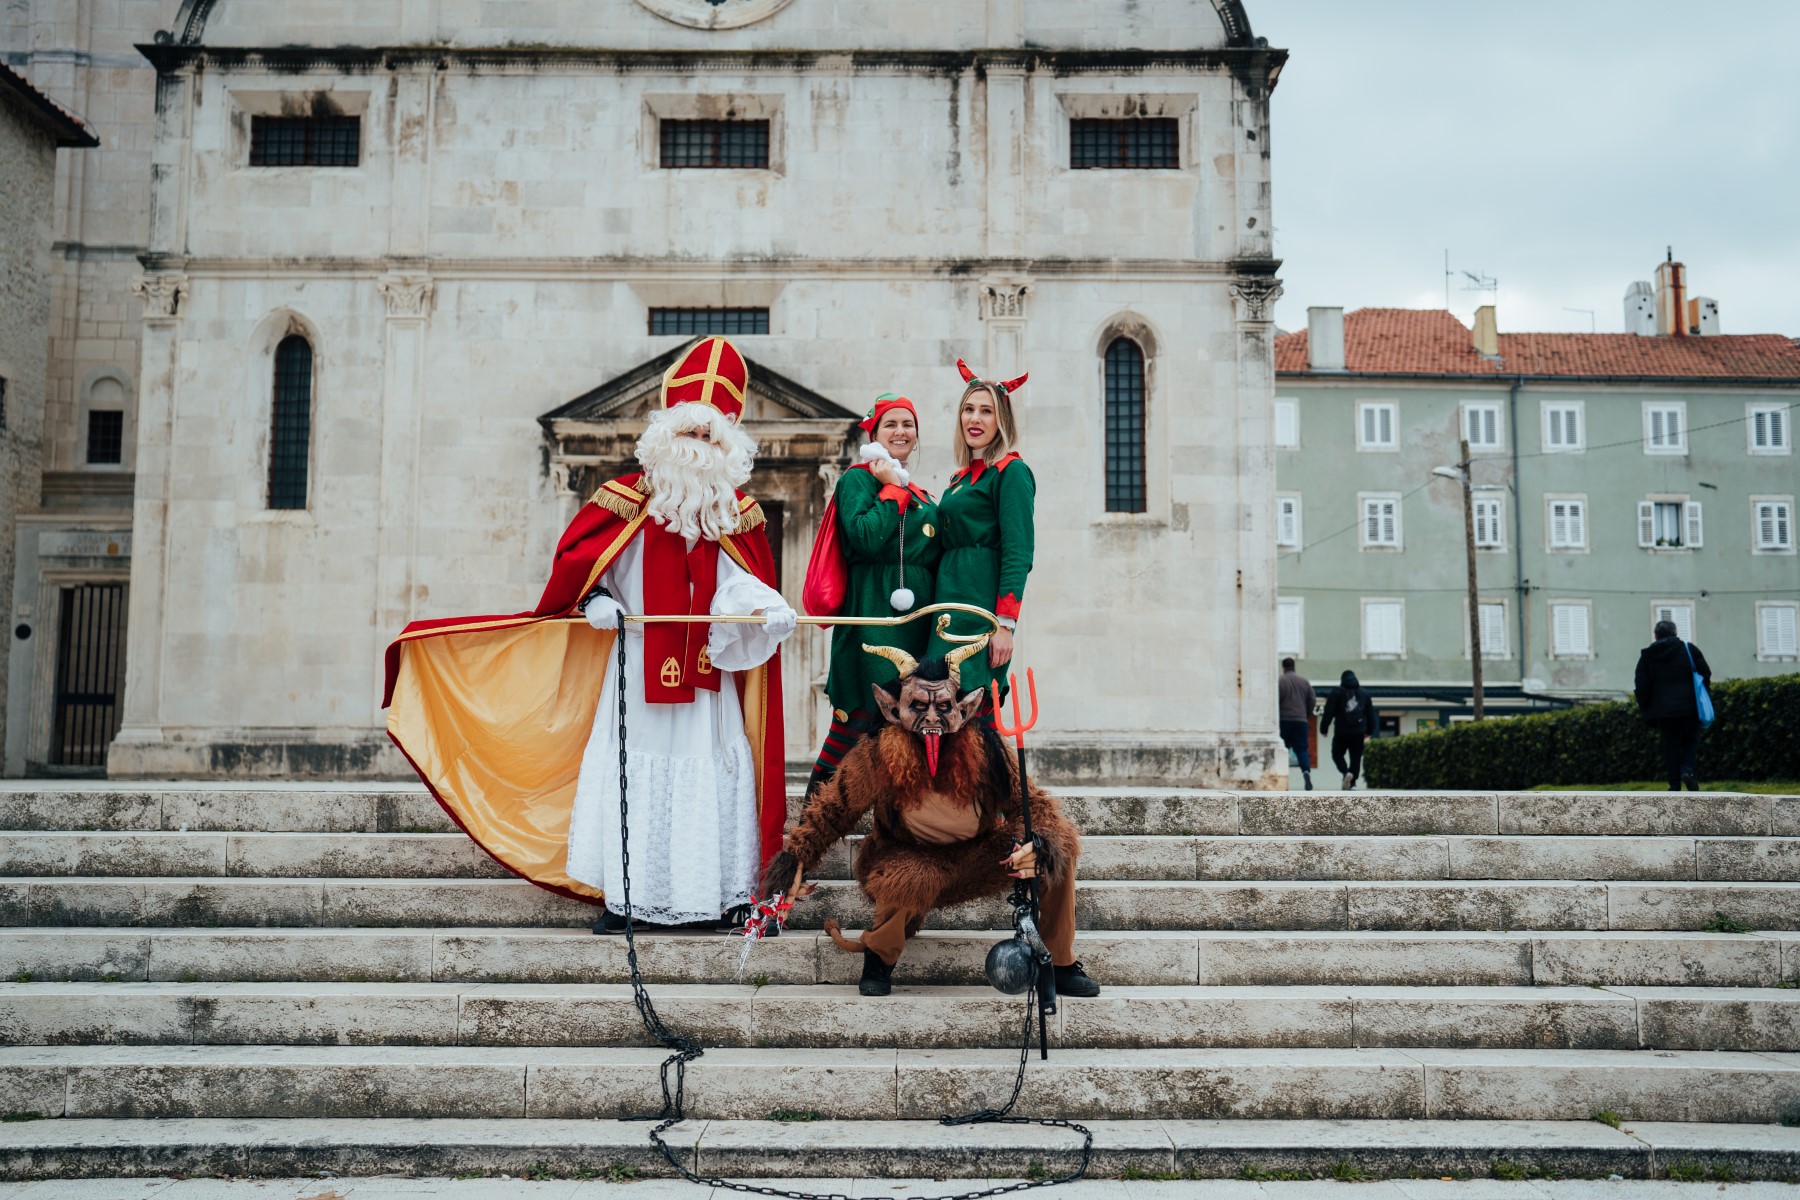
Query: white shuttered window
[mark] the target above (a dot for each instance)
(1384, 628)
(1287, 422)
(1481, 425)
(1287, 521)
(1678, 611)
(1669, 524)
(1490, 529)
(1375, 422)
(1775, 632)
(1493, 629)
(1381, 522)
(1568, 523)
(1290, 626)
(1570, 633)
(1563, 430)
(1665, 428)
(1769, 429)
(1773, 524)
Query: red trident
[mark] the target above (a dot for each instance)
(1046, 974)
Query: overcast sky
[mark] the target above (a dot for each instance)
(1556, 145)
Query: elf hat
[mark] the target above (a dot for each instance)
(884, 402)
(1002, 390)
(712, 373)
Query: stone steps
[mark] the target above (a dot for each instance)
(1139, 958)
(151, 853)
(915, 1017)
(566, 1082)
(1099, 812)
(836, 1150)
(1151, 904)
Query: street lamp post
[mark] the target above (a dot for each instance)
(1462, 472)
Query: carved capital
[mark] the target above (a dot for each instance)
(830, 472)
(162, 294)
(408, 296)
(1004, 299)
(1256, 296)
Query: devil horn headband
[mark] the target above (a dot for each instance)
(1006, 388)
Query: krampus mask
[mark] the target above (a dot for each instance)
(927, 699)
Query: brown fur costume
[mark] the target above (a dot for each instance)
(886, 774)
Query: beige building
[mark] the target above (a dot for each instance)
(411, 265)
(33, 129)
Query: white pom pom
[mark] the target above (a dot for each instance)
(902, 599)
(874, 450)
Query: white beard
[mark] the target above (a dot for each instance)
(693, 484)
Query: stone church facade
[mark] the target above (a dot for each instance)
(411, 266)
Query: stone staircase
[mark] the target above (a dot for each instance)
(285, 979)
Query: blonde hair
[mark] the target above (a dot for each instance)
(1006, 433)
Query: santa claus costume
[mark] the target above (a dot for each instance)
(513, 721)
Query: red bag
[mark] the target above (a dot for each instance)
(828, 570)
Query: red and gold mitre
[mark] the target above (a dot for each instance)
(711, 373)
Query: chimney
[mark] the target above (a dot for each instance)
(1703, 316)
(1487, 332)
(1325, 339)
(1671, 298)
(1640, 309)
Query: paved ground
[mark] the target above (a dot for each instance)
(510, 1189)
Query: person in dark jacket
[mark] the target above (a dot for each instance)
(1352, 710)
(1665, 696)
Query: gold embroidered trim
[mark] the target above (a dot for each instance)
(610, 499)
(750, 515)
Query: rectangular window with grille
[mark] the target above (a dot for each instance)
(1563, 429)
(1769, 429)
(1773, 524)
(1384, 628)
(1287, 522)
(1571, 633)
(1375, 423)
(305, 141)
(1567, 521)
(1665, 428)
(1481, 425)
(1490, 522)
(1381, 522)
(1290, 626)
(1679, 611)
(105, 437)
(1775, 632)
(716, 144)
(1126, 484)
(1125, 143)
(695, 322)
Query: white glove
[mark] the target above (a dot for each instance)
(603, 612)
(779, 622)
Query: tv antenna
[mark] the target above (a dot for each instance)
(1592, 325)
(1481, 281)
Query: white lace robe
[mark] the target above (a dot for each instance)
(695, 837)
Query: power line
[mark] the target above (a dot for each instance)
(1636, 441)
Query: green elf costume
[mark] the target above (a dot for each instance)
(890, 539)
(986, 527)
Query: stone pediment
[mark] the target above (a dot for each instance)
(633, 395)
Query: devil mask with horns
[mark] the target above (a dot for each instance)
(926, 699)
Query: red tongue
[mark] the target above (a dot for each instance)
(931, 751)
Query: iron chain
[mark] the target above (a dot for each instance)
(686, 1049)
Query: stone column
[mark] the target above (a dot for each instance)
(1255, 295)
(1005, 161)
(164, 294)
(1003, 316)
(408, 298)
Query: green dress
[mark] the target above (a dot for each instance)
(988, 538)
(869, 527)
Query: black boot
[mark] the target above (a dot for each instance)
(609, 922)
(1691, 782)
(877, 977)
(1307, 775)
(1073, 981)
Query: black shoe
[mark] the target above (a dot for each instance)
(877, 977)
(1307, 775)
(1073, 981)
(609, 922)
(1691, 782)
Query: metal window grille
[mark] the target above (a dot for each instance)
(90, 653)
(697, 321)
(1130, 142)
(290, 432)
(305, 141)
(1125, 490)
(106, 437)
(714, 143)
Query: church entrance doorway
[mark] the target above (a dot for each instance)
(90, 667)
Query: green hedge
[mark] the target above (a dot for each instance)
(1756, 736)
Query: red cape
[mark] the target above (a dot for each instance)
(494, 712)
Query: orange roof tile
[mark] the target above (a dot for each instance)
(67, 128)
(1411, 341)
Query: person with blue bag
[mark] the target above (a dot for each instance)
(1672, 695)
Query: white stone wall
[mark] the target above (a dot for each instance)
(522, 206)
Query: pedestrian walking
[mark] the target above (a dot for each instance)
(1296, 708)
(1352, 710)
(1667, 700)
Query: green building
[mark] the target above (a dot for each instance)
(1618, 478)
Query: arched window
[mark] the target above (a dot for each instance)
(290, 430)
(1125, 490)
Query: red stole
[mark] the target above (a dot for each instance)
(677, 581)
